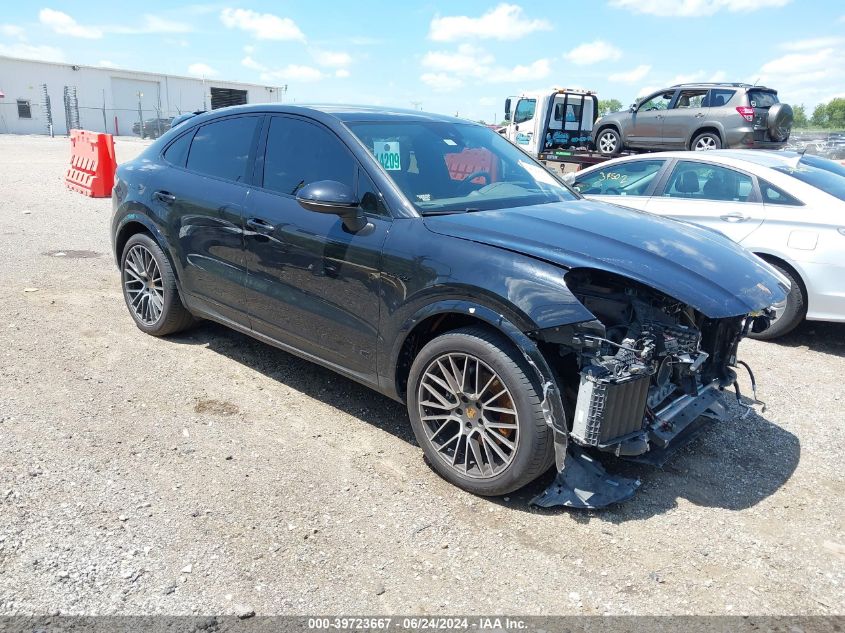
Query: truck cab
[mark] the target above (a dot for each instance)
(560, 119)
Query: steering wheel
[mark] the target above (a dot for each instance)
(466, 183)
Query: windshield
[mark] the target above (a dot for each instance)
(455, 168)
(820, 173)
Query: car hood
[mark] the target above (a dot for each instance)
(697, 266)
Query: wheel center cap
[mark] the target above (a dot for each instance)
(471, 413)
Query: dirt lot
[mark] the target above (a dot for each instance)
(209, 473)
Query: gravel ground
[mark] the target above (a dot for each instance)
(208, 473)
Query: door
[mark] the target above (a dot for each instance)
(628, 182)
(204, 204)
(311, 283)
(646, 126)
(684, 117)
(711, 195)
(524, 123)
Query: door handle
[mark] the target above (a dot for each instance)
(734, 217)
(700, 115)
(260, 226)
(164, 196)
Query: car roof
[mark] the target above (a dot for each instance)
(763, 158)
(340, 112)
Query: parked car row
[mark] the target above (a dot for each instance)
(785, 207)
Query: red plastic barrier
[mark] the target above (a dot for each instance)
(470, 161)
(92, 163)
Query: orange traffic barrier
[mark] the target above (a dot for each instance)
(92, 163)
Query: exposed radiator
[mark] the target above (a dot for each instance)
(609, 408)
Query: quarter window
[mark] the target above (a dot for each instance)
(524, 110)
(299, 153)
(719, 97)
(624, 179)
(370, 199)
(177, 152)
(703, 181)
(222, 148)
(773, 195)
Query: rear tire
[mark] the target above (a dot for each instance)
(149, 288)
(793, 313)
(495, 452)
(706, 141)
(608, 142)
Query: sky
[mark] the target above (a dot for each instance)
(460, 58)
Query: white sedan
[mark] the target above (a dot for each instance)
(787, 208)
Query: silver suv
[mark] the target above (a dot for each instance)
(698, 117)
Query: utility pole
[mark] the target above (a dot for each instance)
(140, 116)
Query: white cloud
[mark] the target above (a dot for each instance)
(805, 77)
(249, 49)
(441, 82)
(249, 62)
(63, 24)
(592, 53)
(631, 76)
(487, 101)
(155, 24)
(341, 73)
(333, 59)
(811, 44)
(694, 8)
(12, 30)
(31, 51)
(467, 60)
(105, 63)
(201, 70)
(263, 26)
(535, 70)
(647, 90)
(293, 72)
(505, 22)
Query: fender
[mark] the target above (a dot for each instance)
(705, 124)
(126, 217)
(543, 375)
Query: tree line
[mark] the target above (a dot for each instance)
(829, 115)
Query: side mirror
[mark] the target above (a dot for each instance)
(569, 178)
(507, 109)
(330, 196)
(633, 107)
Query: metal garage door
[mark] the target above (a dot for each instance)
(125, 96)
(224, 97)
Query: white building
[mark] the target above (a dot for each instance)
(107, 99)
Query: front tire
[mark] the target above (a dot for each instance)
(608, 142)
(476, 413)
(149, 288)
(793, 312)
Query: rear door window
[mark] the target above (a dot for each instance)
(691, 99)
(631, 178)
(704, 181)
(222, 148)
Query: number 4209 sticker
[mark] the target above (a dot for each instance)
(387, 153)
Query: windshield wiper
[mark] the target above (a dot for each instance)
(451, 211)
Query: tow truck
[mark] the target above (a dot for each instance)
(554, 127)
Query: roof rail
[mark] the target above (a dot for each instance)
(717, 83)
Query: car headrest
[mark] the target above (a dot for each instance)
(688, 182)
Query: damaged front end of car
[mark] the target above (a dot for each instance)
(637, 383)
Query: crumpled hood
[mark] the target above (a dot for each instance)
(697, 266)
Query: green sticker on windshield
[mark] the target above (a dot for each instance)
(387, 153)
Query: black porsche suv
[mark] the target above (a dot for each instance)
(433, 261)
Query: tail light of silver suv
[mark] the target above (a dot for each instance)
(746, 113)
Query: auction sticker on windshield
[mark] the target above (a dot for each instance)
(387, 153)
